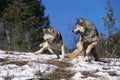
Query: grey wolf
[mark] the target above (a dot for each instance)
(52, 42)
(88, 38)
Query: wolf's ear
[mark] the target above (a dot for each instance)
(81, 20)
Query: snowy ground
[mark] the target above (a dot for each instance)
(28, 66)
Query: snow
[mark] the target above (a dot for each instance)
(37, 63)
(77, 76)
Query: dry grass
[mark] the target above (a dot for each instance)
(37, 79)
(8, 78)
(3, 59)
(19, 63)
(106, 68)
(60, 64)
(88, 74)
(38, 73)
(59, 74)
(111, 73)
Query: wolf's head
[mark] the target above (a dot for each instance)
(79, 26)
(50, 34)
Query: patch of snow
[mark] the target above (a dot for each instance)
(80, 65)
(106, 76)
(90, 78)
(2, 52)
(1, 78)
(77, 76)
(36, 63)
(118, 73)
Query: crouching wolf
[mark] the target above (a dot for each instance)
(88, 39)
(52, 42)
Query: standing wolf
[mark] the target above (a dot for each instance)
(52, 42)
(88, 39)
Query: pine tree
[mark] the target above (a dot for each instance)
(109, 20)
(3, 4)
(23, 20)
(109, 24)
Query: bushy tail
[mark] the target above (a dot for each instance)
(74, 54)
(70, 55)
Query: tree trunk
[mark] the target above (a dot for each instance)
(8, 37)
(27, 38)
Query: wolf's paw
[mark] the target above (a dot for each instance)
(36, 52)
(89, 59)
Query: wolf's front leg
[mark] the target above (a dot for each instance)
(44, 46)
(90, 47)
(51, 51)
(63, 51)
(40, 51)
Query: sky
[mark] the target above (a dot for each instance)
(63, 14)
